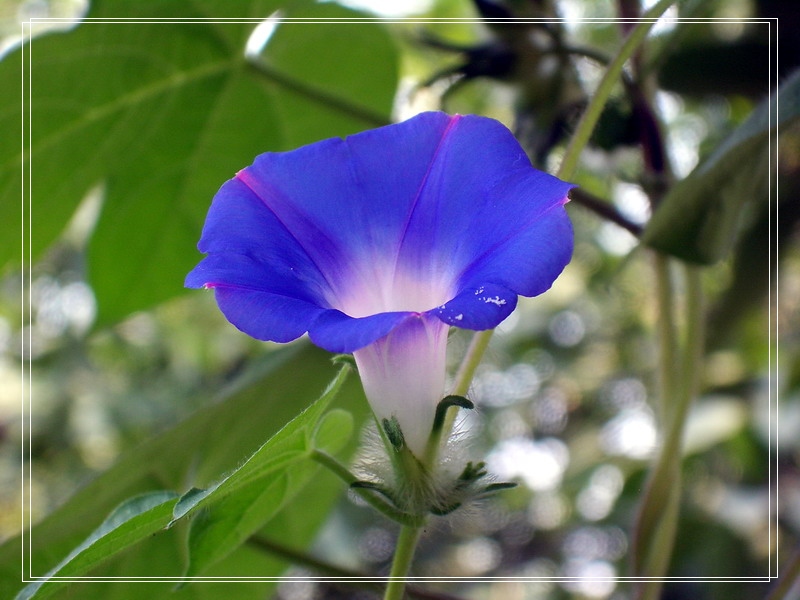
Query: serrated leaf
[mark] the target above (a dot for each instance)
(700, 216)
(163, 114)
(130, 523)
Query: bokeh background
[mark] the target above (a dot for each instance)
(100, 354)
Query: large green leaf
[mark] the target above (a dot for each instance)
(131, 522)
(227, 523)
(291, 444)
(700, 216)
(195, 453)
(107, 95)
(163, 113)
(237, 506)
(240, 504)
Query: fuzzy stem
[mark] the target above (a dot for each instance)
(411, 526)
(401, 564)
(376, 502)
(592, 114)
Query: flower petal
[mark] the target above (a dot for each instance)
(414, 218)
(336, 332)
(348, 201)
(529, 259)
(266, 316)
(480, 191)
(482, 307)
(248, 247)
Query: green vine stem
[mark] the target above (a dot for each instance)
(612, 75)
(680, 368)
(339, 575)
(401, 563)
(463, 379)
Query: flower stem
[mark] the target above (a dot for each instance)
(340, 575)
(472, 359)
(592, 114)
(411, 526)
(403, 555)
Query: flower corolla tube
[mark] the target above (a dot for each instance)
(376, 244)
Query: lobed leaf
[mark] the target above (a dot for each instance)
(163, 113)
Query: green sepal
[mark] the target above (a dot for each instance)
(472, 472)
(441, 410)
(345, 359)
(442, 511)
(498, 487)
(371, 485)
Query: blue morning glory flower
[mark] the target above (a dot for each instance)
(378, 243)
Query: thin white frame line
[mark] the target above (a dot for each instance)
(769, 340)
(773, 195)
(28, 261)
(22, 297)
(773, 393)
(29, 43)
(521, 20)
(557, 578)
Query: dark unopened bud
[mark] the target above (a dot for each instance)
(393, 433)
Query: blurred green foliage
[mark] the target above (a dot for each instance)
(136, 385)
